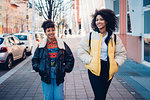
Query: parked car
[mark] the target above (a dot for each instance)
(147, 40)
(11, 49)
(26, 39)
(38, 37)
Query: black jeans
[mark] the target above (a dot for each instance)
(100, 84)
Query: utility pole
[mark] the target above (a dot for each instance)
(33, 31)
(27, 16)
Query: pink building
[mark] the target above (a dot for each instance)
(133, 28)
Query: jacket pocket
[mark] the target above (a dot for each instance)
(94, 66)
(113, 67)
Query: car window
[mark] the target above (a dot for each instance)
(1, 40)
(11, 40)
(7, 42)
(21, 37)
(16, 40)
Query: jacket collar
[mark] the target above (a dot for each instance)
(59, 42)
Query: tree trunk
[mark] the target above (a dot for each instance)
(50, 10)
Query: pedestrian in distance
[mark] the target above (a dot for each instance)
(70, 31)
(102, 52)
(52, 59)
(65, 32)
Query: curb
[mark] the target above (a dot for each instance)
(12, 71)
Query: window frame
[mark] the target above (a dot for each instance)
(128, 12)
(144, 35)
(118, 16)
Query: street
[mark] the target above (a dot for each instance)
(26, 85)
(3, 70)
(24, 23)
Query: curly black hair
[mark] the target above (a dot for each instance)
(110, 18)
(48, 24)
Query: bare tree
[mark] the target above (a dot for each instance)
(54, 10)
(49, 8)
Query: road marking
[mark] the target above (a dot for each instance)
(12, 71)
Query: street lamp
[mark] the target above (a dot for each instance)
(33, 31)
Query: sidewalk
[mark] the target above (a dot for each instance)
(25, 85)
(137, 75)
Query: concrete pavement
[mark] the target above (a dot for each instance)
(25, 85)
(138, 76)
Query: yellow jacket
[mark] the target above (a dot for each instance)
(91, 57)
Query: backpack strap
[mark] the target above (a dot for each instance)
(115, 38)
(90, 40)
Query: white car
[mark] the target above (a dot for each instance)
(26, 38)
(147, 40)
(11, 49)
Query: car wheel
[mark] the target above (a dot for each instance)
(24, 55)
(29, 53)
(9, 62)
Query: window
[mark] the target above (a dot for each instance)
(7, 42)
(21, 37)
(1, 40)
(128, 23)
(129, 30)
(147, 49)
(118, 20)
(116, 8)
(146, 2)
(146, 22)
(11, 41)
(16, 40)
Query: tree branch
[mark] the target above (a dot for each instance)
(42, 7)
(47, 5)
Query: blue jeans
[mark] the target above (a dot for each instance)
(52, 91)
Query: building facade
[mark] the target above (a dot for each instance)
(13, 16)
(87, 8)
(16, 16)
(134, 27)
(133, 21)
